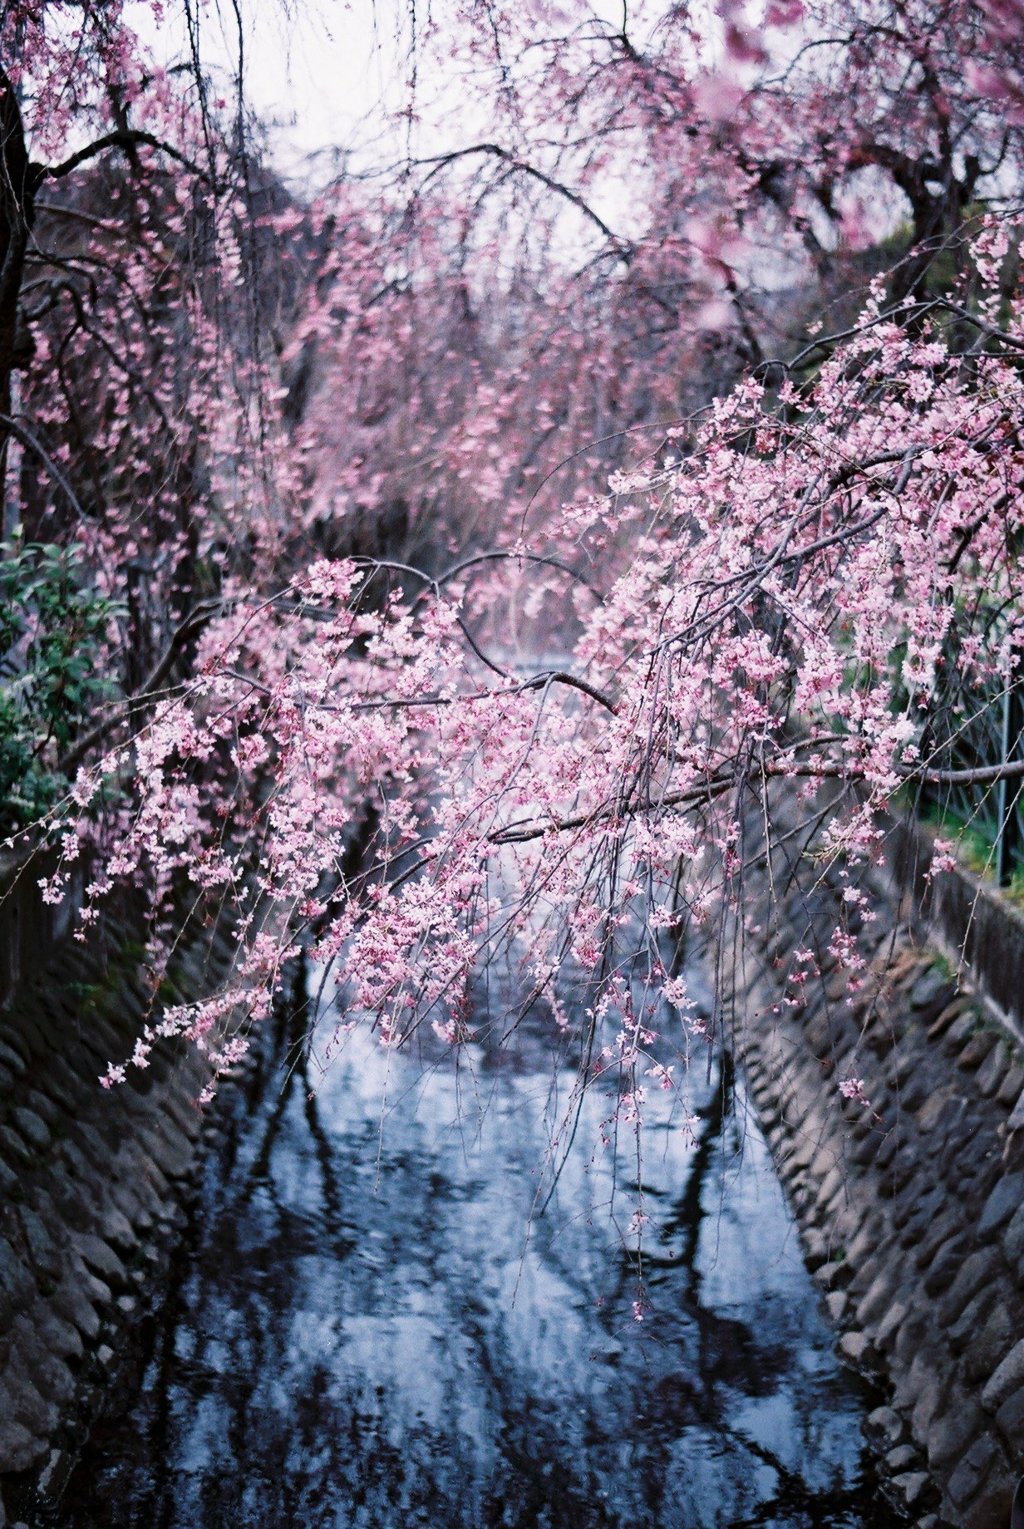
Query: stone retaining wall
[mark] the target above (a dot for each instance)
(90, 1193)
(911, 1207)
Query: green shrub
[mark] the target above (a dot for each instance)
(54, 633)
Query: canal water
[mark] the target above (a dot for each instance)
(376, 1320)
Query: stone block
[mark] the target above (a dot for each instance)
(78, 1166)
(31, 1128)
(915, 1333)
(887, 1330)
(97, 1153)
(940, 1103)
(960, 1031)
(978, 1269)
(12, 1058)
(22, 1401)
(903, 1064)
(14, 1150)
(929, 1393)
(71, 1301)
(905, 1166)
(946, 1017)
(836, 1303)
(887, 1149)
(913, 1487)
(115, 1229)
(187, 1116)
(931, 985)
(170, 1149)
(917, 1215)
(970, 1474)
(815, 1248)
(43, 1250)
(58, 1336)
(944, 1267)
(1010, 1422)
(950, 1433)
(991, 1344)
(864, 1244)
(38, 1100)
(914, 1092)
(886, 1425)
(976, 1050)
(880, 1295)
(1004, 1201)
(17, 1281)
(858, 1350)
(865, 1148)
(1012, 1085)
(993, 1070)
(979, 1168)
(20, 1449)
(100, 1257)
(835, 1182)
(1008, 1378)
(835, 1275)
(138, 1201)
(1013, 1241)
(991, 1510)
(972, 1318)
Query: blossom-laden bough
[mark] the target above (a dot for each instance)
(547, 704)
(795, 587)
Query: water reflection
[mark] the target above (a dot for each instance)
(372, 1326)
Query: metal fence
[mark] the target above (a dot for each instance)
(977, 730)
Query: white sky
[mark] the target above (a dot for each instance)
(319, 73)
(316, 71)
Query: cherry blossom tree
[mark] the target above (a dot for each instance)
(137, 397)
(607, 483)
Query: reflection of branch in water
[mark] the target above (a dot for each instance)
(332, 1205)
(791, 1502)
(291, 1035)
(297, 1385)
(688, 1214)
(259, 1172)
(159, 1503)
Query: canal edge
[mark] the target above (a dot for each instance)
(910, 1207)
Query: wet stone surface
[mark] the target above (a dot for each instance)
(83, 1174)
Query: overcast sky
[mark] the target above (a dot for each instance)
(316, 71)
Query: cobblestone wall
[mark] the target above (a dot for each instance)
(911, 1207)
(90, 1194)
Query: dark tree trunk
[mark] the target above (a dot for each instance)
(19, 181)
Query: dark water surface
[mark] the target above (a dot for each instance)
(370, 1324)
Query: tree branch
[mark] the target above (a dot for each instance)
(622, 248)
(188, 627)
(124, 139)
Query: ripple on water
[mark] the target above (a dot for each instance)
(371, 1325)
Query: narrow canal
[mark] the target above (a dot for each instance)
(372, 1324)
